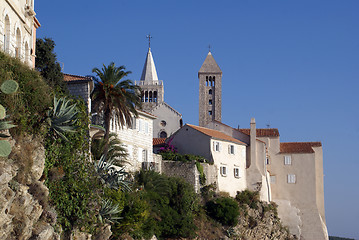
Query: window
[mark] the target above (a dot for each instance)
(267, 160)
(144, 155)
(223, 171)
(237, 173)
(163, 123)
(133, 123)
(210, 113)
(210, 91)
(146, 127)
(273, 178)
(210, 101)
(231, 149)
(163, 134)
(217, 146)
(287, 160)
(291, 178)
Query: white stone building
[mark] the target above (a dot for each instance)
(18, 26)
(227, 154)
(138, 141)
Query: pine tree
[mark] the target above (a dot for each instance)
(46, 63)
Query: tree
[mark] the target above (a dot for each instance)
(115, 98)
(46, 63)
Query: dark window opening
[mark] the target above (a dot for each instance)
(163, 134)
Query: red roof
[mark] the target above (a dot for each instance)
(158, 141)
(262, 132)
(215, 134)
(75, 78)
(299, 147)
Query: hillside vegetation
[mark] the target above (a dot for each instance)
(50, 188)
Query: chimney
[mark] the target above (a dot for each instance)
(253, 137)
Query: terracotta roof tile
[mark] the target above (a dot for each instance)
(215, 134)
(158, 141)
(75, 78)
(262, 132)
(298, 147)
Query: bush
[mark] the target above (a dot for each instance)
(28, 105)
(73, 186)
(224, 209)
(249, 198)
(173, 205)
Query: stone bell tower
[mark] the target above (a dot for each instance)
(210, 91)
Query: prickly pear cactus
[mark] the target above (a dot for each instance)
(5, 148)
(2, 112)
(9, 86)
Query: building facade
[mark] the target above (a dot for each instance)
(18, 26)
(80, 86)
(227, 154)
(137, 139)
(152, 97)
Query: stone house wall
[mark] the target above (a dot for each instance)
(18, 29)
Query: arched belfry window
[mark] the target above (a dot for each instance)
(150, 96)
(155, 96)
(210, 91)
(210, 81)
(206, 81)
(142, 96)
(214, 79)
(7, 34)
(146, 96)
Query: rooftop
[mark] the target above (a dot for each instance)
(76, 78)
(158, 141)
(215, 134)
(298, 147)
(149, 72)
(209, 65)
(262, 132)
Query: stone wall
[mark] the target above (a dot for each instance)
(187, 171)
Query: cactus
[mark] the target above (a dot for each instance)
(2, 112)
(5, 148)
(9, 86)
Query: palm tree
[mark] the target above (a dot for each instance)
(115, 98)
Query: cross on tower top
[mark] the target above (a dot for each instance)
(149, 40)
(209, 47)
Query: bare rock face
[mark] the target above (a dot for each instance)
(22, 195)
(261, 223)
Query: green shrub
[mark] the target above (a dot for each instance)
(224, 209)
(173, 205)
(75, 192)
(249, 198)
(28, 105)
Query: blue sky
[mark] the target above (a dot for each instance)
(291, 64)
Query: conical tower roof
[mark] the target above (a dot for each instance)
(209, 65)
(149, 72)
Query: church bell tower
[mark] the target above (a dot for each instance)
(210, 91)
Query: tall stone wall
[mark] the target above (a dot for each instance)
(187, 171)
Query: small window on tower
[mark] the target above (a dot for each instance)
(210, 91)
(210, 101)
(210, 113)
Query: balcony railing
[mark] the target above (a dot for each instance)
(142, 83)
